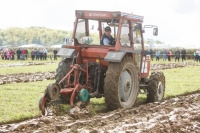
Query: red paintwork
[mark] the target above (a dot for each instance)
(146, 59)
(43, 104)
(77, 86)
(66, 91)
(91, 52)
(107, 15)
(96, 14)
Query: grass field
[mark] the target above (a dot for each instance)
(20, 101)
(27, 60)
(29, 69)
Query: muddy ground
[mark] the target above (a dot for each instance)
(180, 115)
(39, 76)
(154, 66)
(172, 65)
(26, 77)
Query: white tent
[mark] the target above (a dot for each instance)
(56, 46)
(31, 46)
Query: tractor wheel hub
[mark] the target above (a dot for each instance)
(84, 95)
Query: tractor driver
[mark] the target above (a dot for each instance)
(107, 39)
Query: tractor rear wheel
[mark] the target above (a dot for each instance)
(62, 70)
(156, 87)
(121, 84)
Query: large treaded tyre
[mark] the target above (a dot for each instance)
(156, 87)
(121, 84)
(63, 69)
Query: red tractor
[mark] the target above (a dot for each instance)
(118, 71)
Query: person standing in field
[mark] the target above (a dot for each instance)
(2, 54)
(18, 52)
(195, 56)
(164, 53)
(44, 54)
(183, 53)
(8, 54)
(177, 55)
(41, 54)
(23, 53)
(12, 54)
(37, 54)
(198, 55)
(5, 55)
(26, 55)
(151, 54)
(54, 53)
(33, 54)
(169, 55)
(157, 55)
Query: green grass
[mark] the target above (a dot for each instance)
(20, 101)
(29, 69)
(182, 80)
(179, 81)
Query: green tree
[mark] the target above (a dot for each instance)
(149, 41)
(158, 42)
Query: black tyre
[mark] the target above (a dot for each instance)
(121, 84)
(63, 69)
(156, 87)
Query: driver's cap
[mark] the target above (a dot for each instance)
(107, 28)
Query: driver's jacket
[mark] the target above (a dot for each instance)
(111, 39)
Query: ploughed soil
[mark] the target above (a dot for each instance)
(26, 77)
(181, 114)
(172, 65)
(39, 76)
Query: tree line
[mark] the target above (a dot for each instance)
(40, 35)
(36, 35)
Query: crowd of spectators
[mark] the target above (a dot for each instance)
(41, 54)
(167, 54)
(22, 54)
(7, 54)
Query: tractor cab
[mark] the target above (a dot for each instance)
(125, 28)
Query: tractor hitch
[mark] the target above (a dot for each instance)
(71, 89)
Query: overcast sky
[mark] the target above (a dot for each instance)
(178, 20)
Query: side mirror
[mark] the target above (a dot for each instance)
(155, 31)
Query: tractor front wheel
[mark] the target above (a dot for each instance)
(156, 87)
(121, 84)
